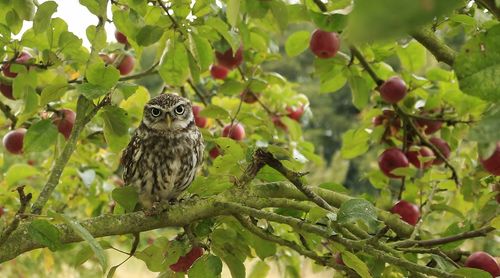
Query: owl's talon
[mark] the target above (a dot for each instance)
(155, 209)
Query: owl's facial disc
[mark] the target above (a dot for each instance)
(168, 119)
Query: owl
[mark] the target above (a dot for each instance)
(165, 151)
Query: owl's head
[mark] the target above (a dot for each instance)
(168, 112)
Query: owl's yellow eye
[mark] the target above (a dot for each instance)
(155, 112)
(179, 110)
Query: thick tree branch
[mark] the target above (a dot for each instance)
(491, 6)
(438, 48)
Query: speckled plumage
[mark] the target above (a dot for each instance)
(165, 152)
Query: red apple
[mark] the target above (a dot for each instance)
(393, 90)
(120, 37)
(219, 72)
(65, 120)
(324, 44)
(484, 261)
(429, 126)
(391, 159)
(13, 141)
(409, 212)
(214, 152)
(295, 113)
(22, 58)
(249, 97)
(236, 132)
(415, 156)
(228, 60)
(200, 121)
(6, 91)
(443, 147)
(185, 262)
(126, 65)
(492, 163)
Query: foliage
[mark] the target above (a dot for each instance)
(244, 207)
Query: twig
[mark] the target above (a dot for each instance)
(293, 177)
(425, 211)
(427, 143)
(152, 70)
(7, 112)
(438, 241)
(321, 5)
(448, 121)
(62, 160)
(356, 53)
(24, 199)
(325, 261)
(202, 98)
(174, 22)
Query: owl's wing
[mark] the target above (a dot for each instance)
(128, 155)
(200, 147)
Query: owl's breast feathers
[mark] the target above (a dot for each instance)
(162, 165)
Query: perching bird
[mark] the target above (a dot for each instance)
(165, 151)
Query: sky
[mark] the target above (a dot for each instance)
(78, 19)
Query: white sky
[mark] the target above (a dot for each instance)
(78, 19)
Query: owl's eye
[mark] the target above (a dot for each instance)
(179, 110)
(155, 112)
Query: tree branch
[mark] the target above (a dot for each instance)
(8, 114)
(438, 48)
(84, 114)
(293, 177)
(438, 241)
(356, 53)
(24, 199)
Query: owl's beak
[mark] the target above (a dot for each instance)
(168, 120)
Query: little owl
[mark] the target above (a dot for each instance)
(165, 151)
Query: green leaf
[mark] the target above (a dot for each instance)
(24, 8)
(280, 13)
(356, 264)
(329, 22)
(91, 91)
(149, 34)
(153, 257)
(42, 17)
(223, 29)
(84, 234)
(413, 56)
(207, 266)
(495, 223)
(115, 120)
(259, 270)
(52, 93)
(202, 51)
(478, 65)
(175, 66)
(102, 75)
(126, 196)
(45, 233)
(233, 12)
(360, 90)
(18, 172)
(214, 111)
(40, 136)
(116, 124)
(112, 271)
(354, 143)
(335, 83)
(358, 209)
(297, 42)
(488, 128)
(472, 273)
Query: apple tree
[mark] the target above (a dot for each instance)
(423, 78)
